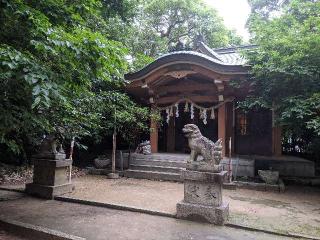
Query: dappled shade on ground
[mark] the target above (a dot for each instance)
(97, 223)
(295, 211)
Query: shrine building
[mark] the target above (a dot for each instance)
(197, 87)
(201, 87)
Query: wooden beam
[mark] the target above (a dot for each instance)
(161, 81)
(179, 74)
(168, 71)
(208, 73)
(155, 75)
(134, 84)
(186, 88)
(167, 100)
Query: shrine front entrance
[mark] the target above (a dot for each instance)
(170, 136)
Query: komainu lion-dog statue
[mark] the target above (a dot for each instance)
(200, 145)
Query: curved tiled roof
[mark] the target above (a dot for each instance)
(233, 59)
(220, 65)
(231, 55)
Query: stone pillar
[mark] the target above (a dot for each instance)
(222, 126)
(203, 197)
(50, 176)
(153, 136)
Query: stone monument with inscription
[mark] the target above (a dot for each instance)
(203, 180)
(50, 173)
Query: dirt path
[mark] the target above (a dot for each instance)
(295, 211)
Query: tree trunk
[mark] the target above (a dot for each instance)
(114, 145)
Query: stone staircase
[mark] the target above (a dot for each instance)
(165, 167)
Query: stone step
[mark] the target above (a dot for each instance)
(164, 157)
(164, 163)
(153, 168)
(152, 175)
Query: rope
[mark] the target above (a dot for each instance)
(194, 104)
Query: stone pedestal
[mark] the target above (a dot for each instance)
(50, 176)
(203, 197)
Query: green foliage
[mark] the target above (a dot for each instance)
(266, 8)
(303, 112)
(62, 63)
(166, 25)
(125, 116)
(286, 65)
(140, 60)
(55, 65)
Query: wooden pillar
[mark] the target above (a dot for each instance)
(222, 126)
(276, 135)
(233, 127)
(229, 127)
(276, 141)
(154, 136)
(171, 135)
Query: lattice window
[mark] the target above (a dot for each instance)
(242, 123)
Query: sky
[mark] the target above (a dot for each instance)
(234, 14)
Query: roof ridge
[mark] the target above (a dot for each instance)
(205, 49)
(234, 48)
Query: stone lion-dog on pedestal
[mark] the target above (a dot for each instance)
(203, 180)
(200, 145)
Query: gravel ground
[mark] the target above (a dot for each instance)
(295, 211)
(19, 175)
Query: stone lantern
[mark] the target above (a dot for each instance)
(50, 173)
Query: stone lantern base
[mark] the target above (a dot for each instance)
(203, 197)
(48, 192)
(50, 178)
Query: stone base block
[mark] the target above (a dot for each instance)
(48, 192)
(202, 166)
(50, 156)
(215, 215)
(229, 186)
(96, 171)
(113, 175)
(240, 166)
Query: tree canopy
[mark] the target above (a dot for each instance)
(169, 25)
(286, 64)
(57, 62)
